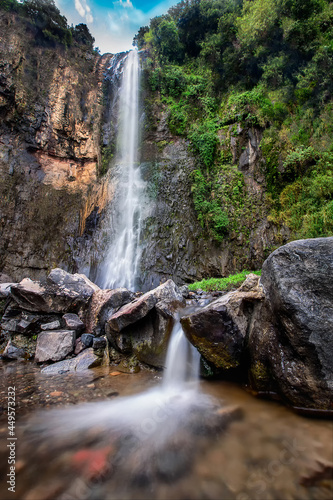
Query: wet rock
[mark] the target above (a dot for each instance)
(73, 322)
(61, 293)
(139, 308)
(5, 289)
(54, 345)
(143, 327)
(85, 360)
(290, 339)
(184, 290)
(79, 346)
(99, 346)
(219, 330)
(87, 339)
(54, 325)
(103, 305)
(129, 365)
(12, 352)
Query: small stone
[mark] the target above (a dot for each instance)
(87, 339)
(73, 322)
(54, 325)
(79, 347)
(56, 394)
(99, 343)
(114, 374)
(22, 326)
(86, 359)
(54, 345)
(12, 352)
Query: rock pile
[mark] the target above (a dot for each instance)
(276, 332)
(68, 316)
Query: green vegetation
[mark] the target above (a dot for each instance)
(211, 284)
(213, 65)
(49, 26)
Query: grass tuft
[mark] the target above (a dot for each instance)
(220, 284)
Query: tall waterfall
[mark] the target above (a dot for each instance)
(121, 265)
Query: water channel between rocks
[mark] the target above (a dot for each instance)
(214, 441)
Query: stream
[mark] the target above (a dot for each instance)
(135, 439)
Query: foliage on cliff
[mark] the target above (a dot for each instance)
(49, 26)
(213, 64)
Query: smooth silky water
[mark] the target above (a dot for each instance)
(158, 436)
(121, 265)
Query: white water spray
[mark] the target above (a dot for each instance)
(121, 265)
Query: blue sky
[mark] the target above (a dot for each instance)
(113, 23)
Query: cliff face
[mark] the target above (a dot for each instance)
(58, 111)
(176, 244)
(51, 116)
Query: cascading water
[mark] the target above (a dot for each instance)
(121, 265)
(182, 361)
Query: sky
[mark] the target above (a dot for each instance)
(113, 24)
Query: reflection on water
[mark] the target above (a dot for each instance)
(220, 443)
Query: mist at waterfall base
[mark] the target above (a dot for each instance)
(144, 439)
(120, 268)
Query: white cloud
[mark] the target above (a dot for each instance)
(84, 10)
(124, 3)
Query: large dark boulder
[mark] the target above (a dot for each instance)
(219, 329)
(291, 336)
(62, 292)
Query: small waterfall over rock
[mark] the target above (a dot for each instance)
(182, 361)
(120, 268)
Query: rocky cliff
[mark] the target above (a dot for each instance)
(51, 108)
(58, 110)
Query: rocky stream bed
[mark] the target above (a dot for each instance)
(112, 426)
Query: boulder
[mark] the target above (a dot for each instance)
(85, 360)
(143, 327)
(139, 308)
(103, 304)
(61, 293)
(291, 335)
(54, 345)
(219, 329)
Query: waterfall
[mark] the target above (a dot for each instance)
(182, 360)
(120, 268)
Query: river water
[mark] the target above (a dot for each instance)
(213, 441)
